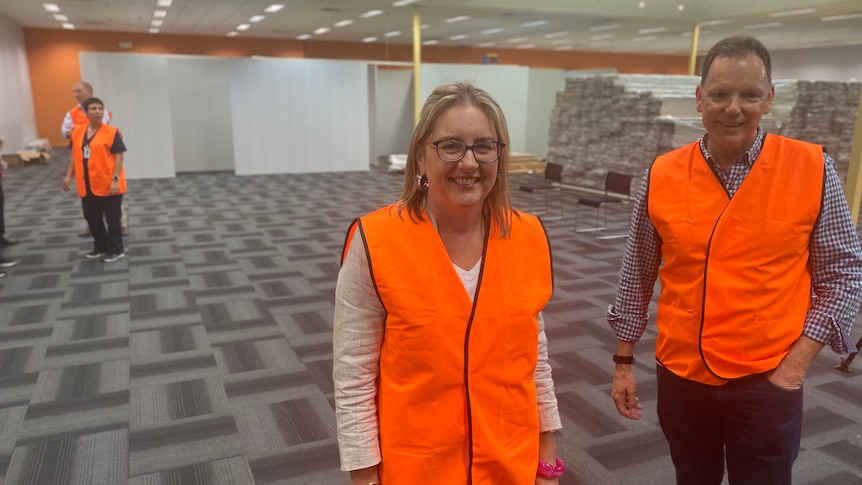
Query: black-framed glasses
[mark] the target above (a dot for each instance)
(488, 151)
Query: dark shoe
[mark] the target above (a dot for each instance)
(125, 230)
(85, 233)
(110, 258)
(6, 242)
(94, 255)
(7, 263)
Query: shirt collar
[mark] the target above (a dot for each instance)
(748, 157)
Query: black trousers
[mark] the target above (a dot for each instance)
(98, 211)
(2, 213)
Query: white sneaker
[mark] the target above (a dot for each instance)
(110, 258)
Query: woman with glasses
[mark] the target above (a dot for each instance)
(440, 356)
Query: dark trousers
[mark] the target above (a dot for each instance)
(2, 213)
(756, 425)
(97, 212)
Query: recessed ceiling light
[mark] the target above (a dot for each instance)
(653, 30)
(459, 18)
(492, 31)
(275, 7)
(67, 25)
(242, 27)
(641, 4)
(789, 13)
(556, 34)
(458, 37)
(680, 7)
(154, 30)
(164, 3)
(256, 18)
(51, 7)
(431, 42)
(848, 16)
(160, 14)
(394, 33)
(232, 33)
(766, 25)
(371, 13)
(343, 23)
(304, 36)
(526, 46)
(604, 27)
(535, 23)
(321, 30)
(157, 22)
(60, 17)
(369, 39)
(401, 3)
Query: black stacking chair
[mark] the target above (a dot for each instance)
(552, 184)
(617, 190)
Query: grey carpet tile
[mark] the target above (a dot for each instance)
(162, 404)
(230, 471)
(268, 428)
(81, 382)
(71, 460)
(168, 340)
(212, 340)
(183, 443)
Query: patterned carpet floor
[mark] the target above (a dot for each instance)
(204, 356)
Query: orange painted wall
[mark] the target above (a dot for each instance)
(52, 56)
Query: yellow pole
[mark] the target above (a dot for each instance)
(692, 59)
(853, 187)
(417, 64)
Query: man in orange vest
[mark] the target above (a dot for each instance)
(77, 117)
(740, 227)
(96, 164)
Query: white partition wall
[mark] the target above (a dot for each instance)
(508, 85)
(541, 98)
(393, 120)
(17, 118)
(299, 116)
(135, 89)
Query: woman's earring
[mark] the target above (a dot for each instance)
(422, 182)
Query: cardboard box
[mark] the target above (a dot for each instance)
(12, 160)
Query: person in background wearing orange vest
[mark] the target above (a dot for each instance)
(740, 227)
(4, 263)
(97, 165)
(77, 117)
(440, 359)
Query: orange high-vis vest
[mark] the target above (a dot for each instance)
(100, 165)
(456, 395)
(735, 285)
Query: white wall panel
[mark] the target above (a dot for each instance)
(541, 98)
(199, 90)
(508, 85)
(394, 111)
(134, 88)
(299, 116)
(818, 64)
(17, 117)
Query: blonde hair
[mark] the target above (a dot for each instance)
(498, 205)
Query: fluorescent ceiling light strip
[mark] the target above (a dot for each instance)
(154, 30)
(160, 14)
(257, 18)
(717, 22)
(848, 16)
(343, 23)
(459, 18)
(51, 7)
(164, 3)
(157, 22)
(556, 34)
(275, 7)
(242, 27)
(653, 30)
(431, 42)
(604, 27)
(303, 37)
(492, 31)
(371, 13)
(67, 25)
(767, 25)
(401, 3)
(369, 39)
(536, 23)
(60, 17)
(458, 37)
(321, 30)
(232, 33)
(394, 33)
(487, 44)
(518, 39)
(788, 13)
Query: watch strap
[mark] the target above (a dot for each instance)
(624, 359)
